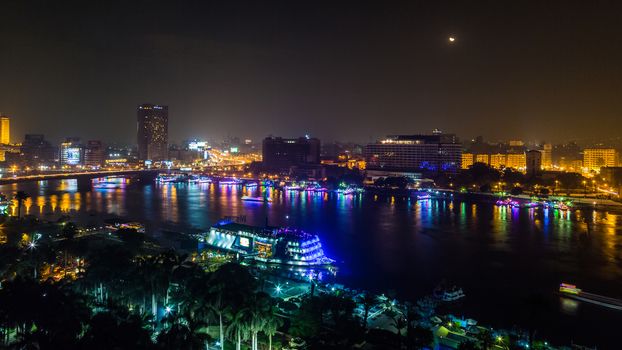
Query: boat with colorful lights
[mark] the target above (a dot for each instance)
(256, 199)
(273, 245)
(231, 181)
(571, 291)
(167, 178)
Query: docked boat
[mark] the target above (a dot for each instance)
(277, 245)
(232, 181)
(256, 199)
(571, 291)
(129, 225)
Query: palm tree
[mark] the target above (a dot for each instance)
(399, 322)
(230, 287)
(238, 328)
(368, 300)
(255, 313)
(272, 322)
(218, 305)
(20, 197)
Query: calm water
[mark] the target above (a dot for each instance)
(499, 256)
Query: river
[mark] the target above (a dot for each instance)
(499, 256)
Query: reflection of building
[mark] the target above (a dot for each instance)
(596, 158)
(71, 152)
(534, 163)
(280, 153)
(94, 154)
(427, 153)
(5, 130)
(152, 132)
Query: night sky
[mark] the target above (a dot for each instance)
(347, 70)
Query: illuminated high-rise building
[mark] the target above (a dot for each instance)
(152, 132)
(596, 158)
(71, 152)
(415, 153)
(5, 130)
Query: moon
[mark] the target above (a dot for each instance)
(452, 39)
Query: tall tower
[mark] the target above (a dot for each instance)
(5, 131)
(152, 132)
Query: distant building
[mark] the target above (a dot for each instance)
(516, 161)
(118, 156)
(429, 154)
(498, 160)
(37, 151)
(280, 153)
(467, 160)
(613, 176)
(71, 152)
(152, 132)
(482, 158)
(94, 154)
(534, 163)
(596, 158)
(547, 155)
(5, 130)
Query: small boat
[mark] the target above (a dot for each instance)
(107, 185)
(448, 294)
(229, 182)
(250, 184)
(256, 199)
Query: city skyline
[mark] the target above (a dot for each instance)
(291, 69)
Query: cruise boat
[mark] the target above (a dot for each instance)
(199, 179)
(275, 245)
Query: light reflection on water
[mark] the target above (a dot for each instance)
(497, 254)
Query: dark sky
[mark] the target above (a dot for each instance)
(348, 70)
